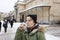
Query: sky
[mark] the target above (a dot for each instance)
(7, 5)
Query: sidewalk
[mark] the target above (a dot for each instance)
(11, 33)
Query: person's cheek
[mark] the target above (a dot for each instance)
(30, 23)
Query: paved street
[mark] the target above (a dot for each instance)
(54, 30)
(9, 35)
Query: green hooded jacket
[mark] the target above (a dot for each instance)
(36, 34)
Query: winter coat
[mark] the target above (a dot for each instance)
(0, 24)
(5, 24)
(36, 34)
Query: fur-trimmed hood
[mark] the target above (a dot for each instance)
(39, 29)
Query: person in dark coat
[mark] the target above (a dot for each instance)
(8, 20)
(0, 26)
(11, 23)
(14, 20)
(5, 25)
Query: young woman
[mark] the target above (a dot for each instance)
(33, 30)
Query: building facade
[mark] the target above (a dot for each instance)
(1, 13)
(46, 10)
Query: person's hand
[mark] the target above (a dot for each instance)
(21, 27)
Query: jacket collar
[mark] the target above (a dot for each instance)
(32, 32)
(39, 29)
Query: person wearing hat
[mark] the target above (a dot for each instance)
(33, 30)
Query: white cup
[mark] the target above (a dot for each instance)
(24, 25)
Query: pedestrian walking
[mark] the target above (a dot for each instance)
(0, 25)
(14, 20)
(5, 25)
(11, 23)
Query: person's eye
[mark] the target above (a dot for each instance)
(29, 20)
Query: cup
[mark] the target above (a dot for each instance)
(23, 26)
